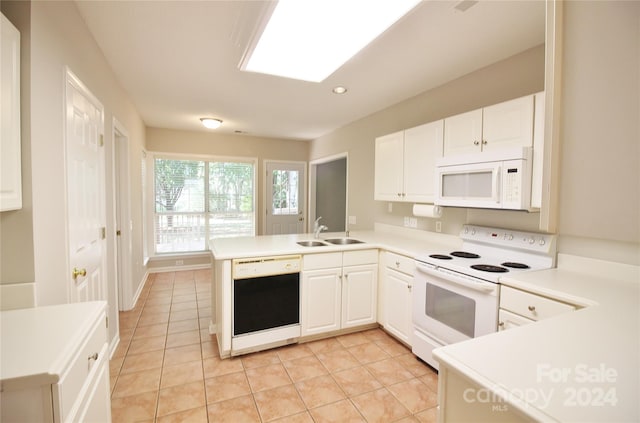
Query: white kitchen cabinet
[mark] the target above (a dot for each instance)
(519, 307)
(321, 301)
(405, 163)
(397, 282)
(503, 125)
(10, 155)
(339, 291)
(55, 364)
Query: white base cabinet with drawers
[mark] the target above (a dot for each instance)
(339, 291)
(54, 364)
(397, 280)
(519, 308)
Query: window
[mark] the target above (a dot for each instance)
(196, 200)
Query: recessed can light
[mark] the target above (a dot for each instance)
(339, 90)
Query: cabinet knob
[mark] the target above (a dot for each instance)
(501, 324)
(476, 142)
(409, 287)
(532, 308)
(399, 194)
(397, 264)
(484, 142)
(93, 356)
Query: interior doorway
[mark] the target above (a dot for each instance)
(122, 215)
(328, 191)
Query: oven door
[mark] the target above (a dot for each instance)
(451, 307)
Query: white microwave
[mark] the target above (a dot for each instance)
(491, 180)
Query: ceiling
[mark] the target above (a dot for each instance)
(178, 61)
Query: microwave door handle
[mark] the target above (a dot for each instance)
(496, 184)
(456, 279)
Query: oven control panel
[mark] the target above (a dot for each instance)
(507, 238)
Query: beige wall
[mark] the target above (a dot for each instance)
(599, 211)
(517, 76)
(216, 144)
(600, 163)
(58, 38)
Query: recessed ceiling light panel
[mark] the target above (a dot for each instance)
(310, 39)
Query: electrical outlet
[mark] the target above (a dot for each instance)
(390, 207)
(179, 262)
(438, 226)
(413, 222)
(406, 221)
(352, 220)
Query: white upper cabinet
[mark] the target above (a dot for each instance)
(10, 166)
(503, 125)
(405, 163)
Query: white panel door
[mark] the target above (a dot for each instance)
(85, 193)
(388, 183)
(359, 295)
(463, 133)
(422, 146)
(321, 294)
(508, 124)
(397, 300)
(285, 199)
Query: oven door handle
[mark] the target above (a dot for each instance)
(457, 279)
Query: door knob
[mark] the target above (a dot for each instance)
(78, 272)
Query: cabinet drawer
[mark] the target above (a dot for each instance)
(84, 358)
(530, 305)
(509, 320)
(321, 261)
(354, 258)
(400, 263)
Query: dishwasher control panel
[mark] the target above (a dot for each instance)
(265, 266)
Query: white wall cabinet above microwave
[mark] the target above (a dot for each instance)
(10, 167)
(504, 125)
(405, 163)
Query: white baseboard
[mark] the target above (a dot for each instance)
(179, 268)
(113, 345)
(136, 296)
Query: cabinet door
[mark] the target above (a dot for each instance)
(321, 294)
(388, 185)
(10, 153)
(508, 124)
(422, 146)
(463, 133)
(359, 295)
(398, 304)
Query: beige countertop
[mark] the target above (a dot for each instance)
(576, 367)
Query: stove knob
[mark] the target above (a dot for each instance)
(510, 237)
(542, 241)
(532, 240)
(473, 231)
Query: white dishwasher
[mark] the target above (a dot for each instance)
(265, 302)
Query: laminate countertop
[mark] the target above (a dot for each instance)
(575, 367)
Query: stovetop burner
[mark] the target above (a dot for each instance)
(441, 257)
(489, 268)
(515, 265)
(465, 254)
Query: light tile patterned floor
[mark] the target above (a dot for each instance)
(167, 369)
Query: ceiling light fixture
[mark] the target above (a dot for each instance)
(211, 123)
(310, 39)
(339, 90)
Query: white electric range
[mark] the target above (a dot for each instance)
(455, 293)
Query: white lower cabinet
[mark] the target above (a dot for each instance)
(519, 308)
(397, 280)
(339, 291)
(55, 364)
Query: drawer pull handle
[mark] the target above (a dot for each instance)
(532, 308)
(93, 356)
(501, 324)
(397, 264)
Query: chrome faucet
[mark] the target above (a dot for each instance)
(317, 228)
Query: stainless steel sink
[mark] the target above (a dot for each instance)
(312, 243)
(343, 241)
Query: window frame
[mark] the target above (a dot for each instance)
(150, 206)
